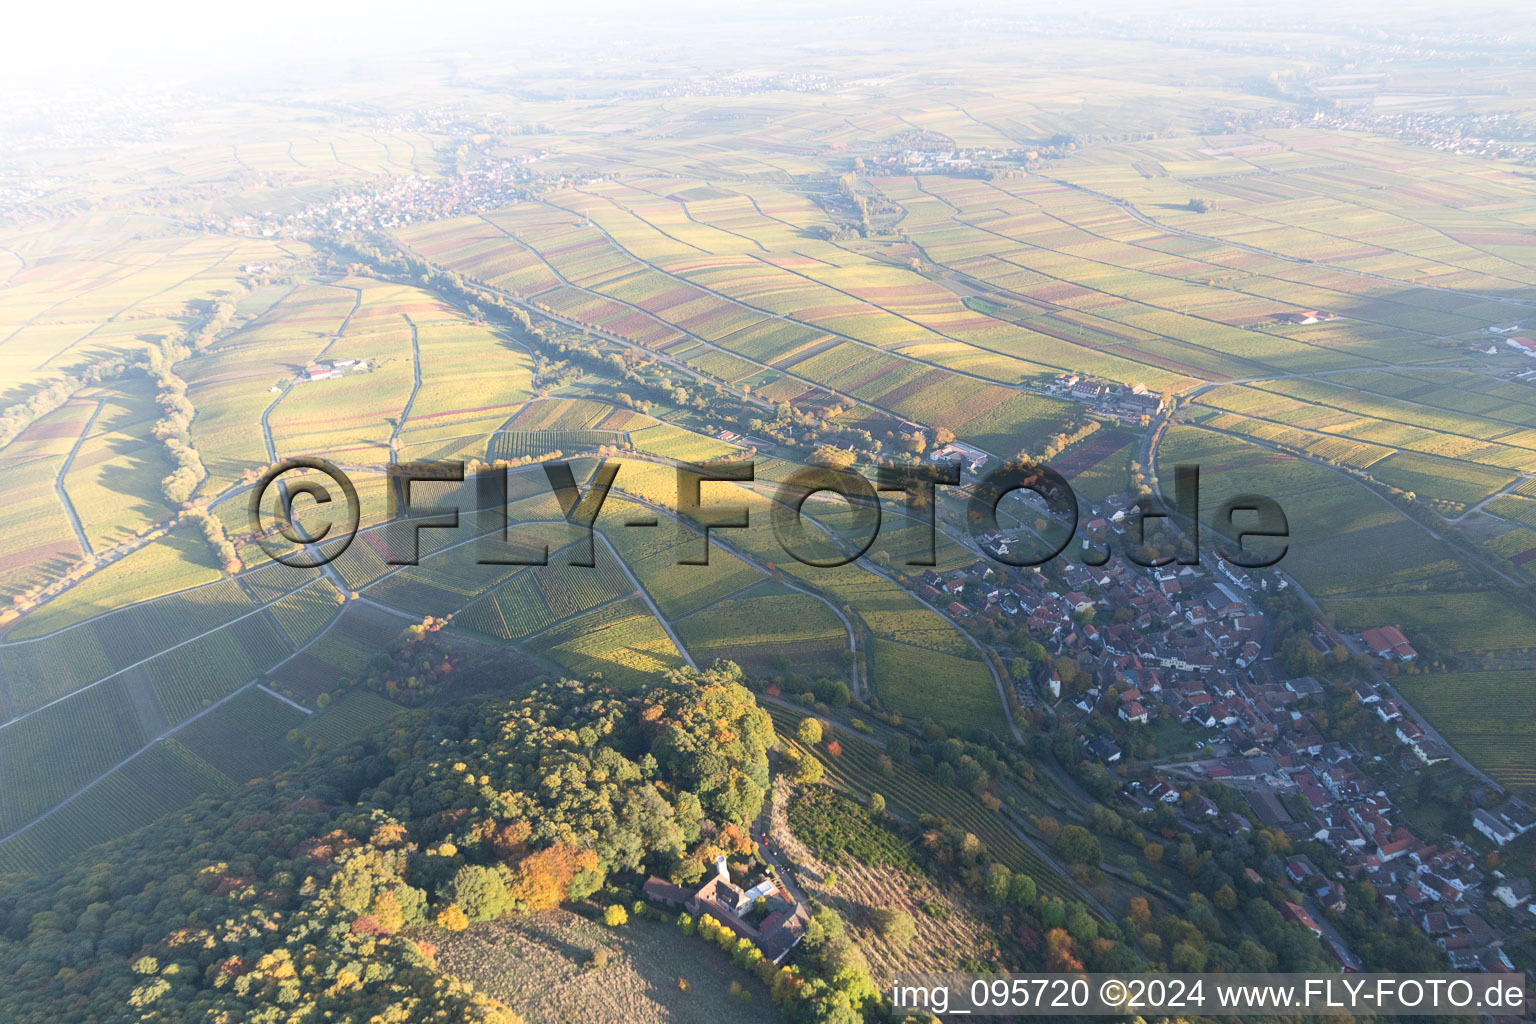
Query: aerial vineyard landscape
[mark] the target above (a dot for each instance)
(500, 502)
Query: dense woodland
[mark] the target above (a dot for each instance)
(314, 896)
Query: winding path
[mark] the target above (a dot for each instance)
(405, 413)
(58, 481)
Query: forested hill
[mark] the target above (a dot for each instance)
(304, 898)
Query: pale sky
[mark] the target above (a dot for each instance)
(56, 44)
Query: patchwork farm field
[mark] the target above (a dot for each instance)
(622, 642)
(915, 683)
(764, 274)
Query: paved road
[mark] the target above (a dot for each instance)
(672, 361)
(1354, 646)
(266, 426)
(856, 684)
(1452, 543)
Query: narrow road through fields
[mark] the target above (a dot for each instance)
(646, 597)
(1217, 268)
(765, 313)
(1354, 647)
(58, 481)
(113, 675)
(1508, 489)
(617, 339)
(1047, 856)
(293, 704)
(771, 314)
(1449, 542)
(266, 414)
(748, 559)
(405, 413)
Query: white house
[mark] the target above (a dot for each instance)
(1513, 891)
(1492, 827)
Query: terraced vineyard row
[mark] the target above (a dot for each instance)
(622, 640)
(350, 717)
(655, 555)
(538, 597)
(520, 444)
(191, 677)
(908, 793)
(174, 775)
(113, 807)
(48, 755)
(245, 738)
(304, 613)
(342, 651)
(275, 579)
(363, 561)
(138, 632)
(1486, 715)
(756, 628)
(43, 670)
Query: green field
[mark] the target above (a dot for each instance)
(1489, 716)
(1478, 621)
(955, 692)
(350, 717)
(670, 271)
(621, 641)
(759, 629)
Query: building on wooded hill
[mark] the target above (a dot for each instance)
(778, 932)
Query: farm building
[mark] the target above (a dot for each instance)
(1306, 316)
(1389, 642)
(1525, 346)
(973, 459)
(1141, 403)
